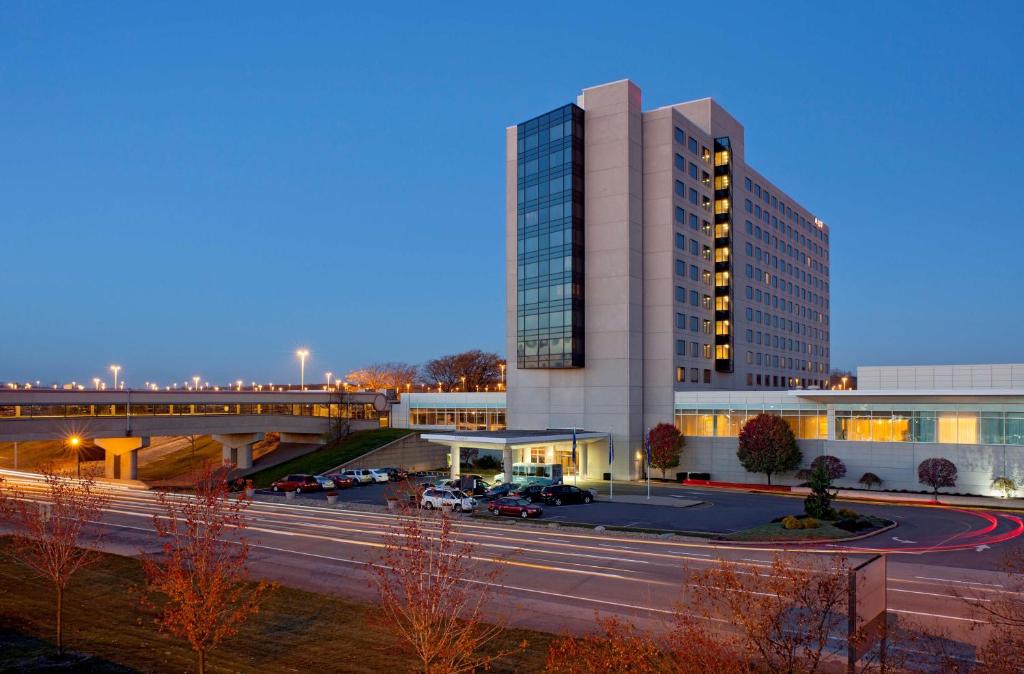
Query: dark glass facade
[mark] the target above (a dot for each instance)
(550, 240)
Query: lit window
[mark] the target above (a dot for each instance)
(721, 327)
(721, 352)
(722, 279)
(721, 255)
(721, 182)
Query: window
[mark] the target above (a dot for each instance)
(694, 197)
(680, 294)
(680, 374)
(680, 215)
(680, 347)
(681, 321)
(680, 241)
(747, 184)
(693, 375)
(705, 301)
(680, 162)
(706, 326)
(694, 298)
(680, 136)
(721, 352)
(693, 170)
(694, 323)
(706, 253)
(707, 351)
(707, 376)
(692, 145)
(694, 273)
(681, 189)
(680, 268)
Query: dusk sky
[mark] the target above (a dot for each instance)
(193, 188)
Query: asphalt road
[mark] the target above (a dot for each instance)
(555, 577)
(948, 536)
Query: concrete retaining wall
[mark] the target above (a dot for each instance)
(410, 452)
(895, 462)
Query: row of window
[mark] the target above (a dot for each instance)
(461, 419)
(697, 350)
(334, 410)
(787, 250)
(727, 423)
(692, 145)
(785, 210)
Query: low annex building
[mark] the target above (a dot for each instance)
(972, 415)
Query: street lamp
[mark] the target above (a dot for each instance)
(844, 383)
(75, 441)
(115, 369)
(302, 354)
(328, 375)
(96, 383)
(195, 383)
(239, 384)
(463, 378)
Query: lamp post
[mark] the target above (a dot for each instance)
(463, 378)
(328, 375)
(302, 354)
(115, 369)
(238, 383)
(96, 383)
(195, 382)
(844, 383)
(75, 441)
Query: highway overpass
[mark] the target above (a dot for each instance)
(122, 422)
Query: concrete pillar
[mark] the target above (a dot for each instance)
(507, 459)
(236, 448)
(584, 452)
(121, 460)
(130, 465)
(456, 457)
(111, 466)
(244, 455)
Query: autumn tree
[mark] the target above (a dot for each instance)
(383, 375)
(52, 527)
(470, 370)
(433, 590)
(767, 445)
(666, 442)
(832, 465)
(199, 583)
(783, 614)
(936, 473)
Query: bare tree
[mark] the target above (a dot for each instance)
(1003, 610)
(783, 614)
(50, 525)
(433, 592)
(383, 375)
(469, 371)
(199, 584)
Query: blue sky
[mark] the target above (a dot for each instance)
(204, 187)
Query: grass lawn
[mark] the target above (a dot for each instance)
(182, 461)
(774, 531)
(296, 631)
(351, 447)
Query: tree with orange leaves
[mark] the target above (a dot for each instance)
(199, 584)
(433, 591)
(50, 530)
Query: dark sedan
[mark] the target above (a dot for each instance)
(516, 507)
(500, 491)
(395, 474)
(558, 494)
(529, 492)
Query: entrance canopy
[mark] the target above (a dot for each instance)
(499, 440)
(535, 447)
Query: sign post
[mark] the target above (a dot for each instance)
(867, 611)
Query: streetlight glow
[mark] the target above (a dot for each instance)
(328, 375)
(302, 354)
(115, 369)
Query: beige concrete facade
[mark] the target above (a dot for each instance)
(641, 171)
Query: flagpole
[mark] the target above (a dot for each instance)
(611, 468)
(647, 444)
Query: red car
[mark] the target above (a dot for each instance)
(342, 481)
(514, 506)
(296, 483)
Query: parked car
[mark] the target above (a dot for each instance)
(342, 481)
(379, 475)
(557, 494)
(474, 485)
(325, 482)
(360, 475)
(530, 492)
(447, 498)
(519, 507)
(396, 474)
(297, 482)
(500, 490)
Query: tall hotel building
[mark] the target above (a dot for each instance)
(644, 256)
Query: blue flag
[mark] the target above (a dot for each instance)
(647, 447)
(574, 445)
(611, 449)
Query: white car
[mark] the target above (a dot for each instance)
(447, 498)
(360, 475)
(379, 475)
